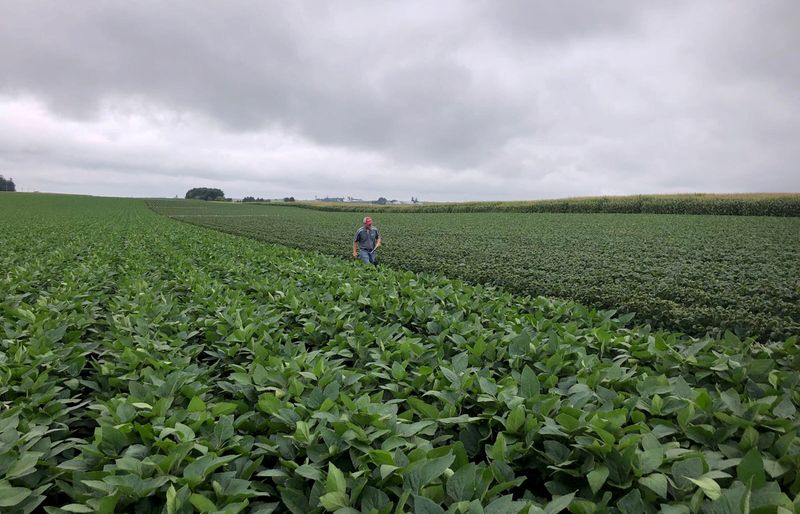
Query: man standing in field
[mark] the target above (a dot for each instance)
(366, 242)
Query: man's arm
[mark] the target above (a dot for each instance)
(355, 242)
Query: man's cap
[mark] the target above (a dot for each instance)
(367, 220)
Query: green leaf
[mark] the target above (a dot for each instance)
(751, 469)
(77, 507)
(631, 503)
(529, 383)
(381, 457)
(172, 503)
(11, 496)
(674, 509)
(269, 403)
(260, 375)
(516, 419)
(749, 438)
(99, 485)
(774, 468)
(656, 482)
(520, 345)
(421, 473)
(27, 315)
(110, 440)
(107, 505)
(732, 401)
(734, 500)
(505, 505)
(202, 503)
(223, 408)
(302, 432)
(272, 473)
(335, 481)
(295, 501)
(498, 450)
(223, 429)
(423, 505)
(309, 471)
(386, 470)
(9, 423)
(451, 376)
(333, 500)
(685, 469)
(597, 477)
(196, 405)
(709, 486)
(558, 504)
(198, 470)
(346, 510)
(769, 498)
(185, 431)
(427, 410)
(785, 409)
(461, 485)
(650, 460)
(25, 465)
(703, 399)
(373, 498)
(487, 387)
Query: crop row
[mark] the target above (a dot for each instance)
(696, 274)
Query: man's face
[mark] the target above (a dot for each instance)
(368, 225)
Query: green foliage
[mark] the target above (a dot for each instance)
(153, 366)
(695, 274)
(205, 193)
(7, 184)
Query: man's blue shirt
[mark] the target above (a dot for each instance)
(366, 239)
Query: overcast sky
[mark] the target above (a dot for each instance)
(442, 100)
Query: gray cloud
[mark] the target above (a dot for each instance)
(559, 21)
(461, 100)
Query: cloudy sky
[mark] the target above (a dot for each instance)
(444, 100)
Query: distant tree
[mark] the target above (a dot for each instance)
(205, 193)
(414, 200)
(248, 199)
(289, 199)
(7, 184)
(381, 201)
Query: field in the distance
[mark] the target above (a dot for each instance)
(685, 272)
(748, 204)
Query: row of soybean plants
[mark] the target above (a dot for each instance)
(694, 274)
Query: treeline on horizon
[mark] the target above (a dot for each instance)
(755, 204)
(213, 194)
(7, 184)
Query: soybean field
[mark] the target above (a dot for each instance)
(152, 366)
(690, 273)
